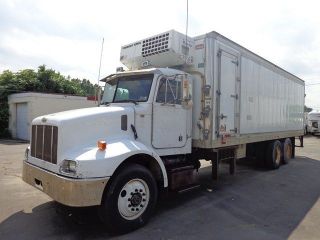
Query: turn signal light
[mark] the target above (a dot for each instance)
(102, 145)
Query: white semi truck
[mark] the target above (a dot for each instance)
(182, 99)
(313, 122)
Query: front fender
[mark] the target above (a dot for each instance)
(93, 162)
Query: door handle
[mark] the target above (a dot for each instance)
(222, 116)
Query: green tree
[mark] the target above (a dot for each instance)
(26, 80)
(7, 86)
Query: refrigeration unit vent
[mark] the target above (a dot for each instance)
(166, 49)
(155, 45)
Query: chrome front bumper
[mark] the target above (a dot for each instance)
(67, 191)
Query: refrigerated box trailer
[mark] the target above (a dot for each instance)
(182, 99)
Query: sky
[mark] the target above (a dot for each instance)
(67, 35)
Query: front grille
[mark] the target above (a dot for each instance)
(155, 45)
(44, 142)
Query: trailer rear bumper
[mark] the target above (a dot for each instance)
(67, 191)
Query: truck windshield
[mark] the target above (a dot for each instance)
(128, 89)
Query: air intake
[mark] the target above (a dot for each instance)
(44, 142)
(155, 45)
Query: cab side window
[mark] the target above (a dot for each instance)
(169, 91)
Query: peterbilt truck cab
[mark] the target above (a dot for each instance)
(111, 155)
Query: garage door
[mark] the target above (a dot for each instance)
(22, 121)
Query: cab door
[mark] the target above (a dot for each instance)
(169, 124)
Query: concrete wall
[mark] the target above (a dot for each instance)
(39, 104)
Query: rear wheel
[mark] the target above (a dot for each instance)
(287, 150)
(273, 156)
(130, 200)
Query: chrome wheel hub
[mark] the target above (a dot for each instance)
(136, 199)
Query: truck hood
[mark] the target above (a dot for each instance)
(84, 127)
(59, 118)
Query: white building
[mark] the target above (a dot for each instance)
(24, 107)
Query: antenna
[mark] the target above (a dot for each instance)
(98, 91)
(187, 23)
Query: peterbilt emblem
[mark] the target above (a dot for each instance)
(43, 120)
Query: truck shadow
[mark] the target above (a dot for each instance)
(312, 136)
(250, 205)
(13, 142)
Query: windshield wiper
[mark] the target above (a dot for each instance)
(127, 100)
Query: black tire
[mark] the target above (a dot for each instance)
(261, 154)
(110, 212)
(287, 150)
(273, 155)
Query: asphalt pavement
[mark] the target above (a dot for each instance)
(254, 204)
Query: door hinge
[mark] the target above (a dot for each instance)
(234, 96)
(219, 53)
(218, 92)
(236, 62)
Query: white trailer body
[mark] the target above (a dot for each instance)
(183, 99)
(252, 99)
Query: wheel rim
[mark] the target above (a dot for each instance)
(133, 199)
(288, 151)
(278, 155)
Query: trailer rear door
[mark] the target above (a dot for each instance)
(228, 93)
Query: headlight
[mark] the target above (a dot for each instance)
(69, 166)
(26, 153)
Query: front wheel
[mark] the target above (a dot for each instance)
(130, 200)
